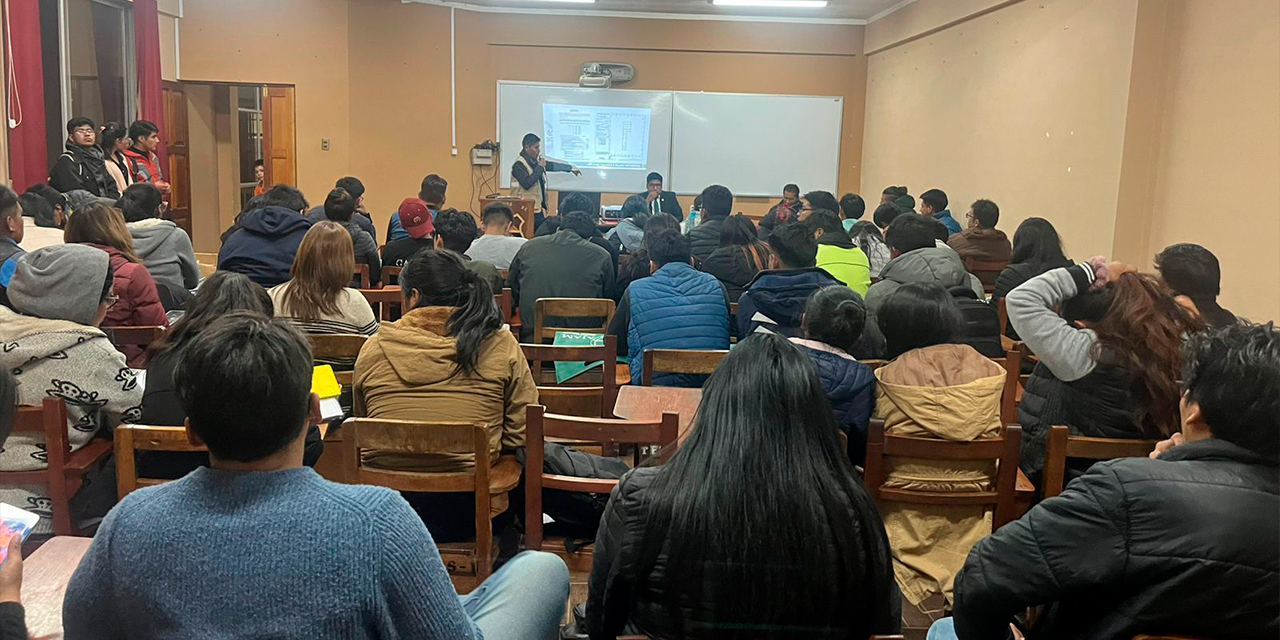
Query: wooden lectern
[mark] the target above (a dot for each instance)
(522, 208)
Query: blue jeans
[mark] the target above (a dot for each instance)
(944, 629)
(524, 600)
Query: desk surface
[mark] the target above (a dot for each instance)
(44, 583)
(648, 403)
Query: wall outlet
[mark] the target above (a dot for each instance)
(324, 144)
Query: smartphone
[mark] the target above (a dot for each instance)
(14, 522)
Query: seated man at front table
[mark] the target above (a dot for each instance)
(678, 307)
(565, 264)
(982, 240)
(497, 246)
(660, 201)
(258, 546)
(1184, 543)
(775, 299)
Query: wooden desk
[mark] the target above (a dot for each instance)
(44, 583)
(648, 403)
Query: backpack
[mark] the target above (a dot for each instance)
(576, 515)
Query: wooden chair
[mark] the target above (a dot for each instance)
(1004, 449)
(1063, 445)
(65, 471)
(570, 308)
(503, 300)
(986, 270)
(577, 400)
(679, 361)
(541, 425)
(512, 312)
(362, 274)
(488, 483)
(133, 336)
(132, 438)
(386, 301)
(337, 346)
(390, 275)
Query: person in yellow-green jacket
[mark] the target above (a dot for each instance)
(837, 254)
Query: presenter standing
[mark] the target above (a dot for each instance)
(660, 201)
(529, 175)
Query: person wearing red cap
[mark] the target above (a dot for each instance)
(415, 219)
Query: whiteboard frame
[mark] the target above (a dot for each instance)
(839, 129)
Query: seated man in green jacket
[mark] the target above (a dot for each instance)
(837, 253)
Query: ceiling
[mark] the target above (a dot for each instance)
(842, 10)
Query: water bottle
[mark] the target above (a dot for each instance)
(691, 220)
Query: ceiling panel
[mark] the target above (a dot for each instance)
(835, 10)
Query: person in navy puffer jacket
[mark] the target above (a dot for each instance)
(833, 320)
(266, 237)
(678, 307)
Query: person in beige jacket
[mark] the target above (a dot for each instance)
(934, 389)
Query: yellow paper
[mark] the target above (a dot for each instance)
(324, 383)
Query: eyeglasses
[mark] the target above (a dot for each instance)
(111, 300)
(83, 131)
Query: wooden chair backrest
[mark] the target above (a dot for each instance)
(131, 438)
(608, 432)
(64, 471)
(1063, 445)
(570, 308)
(679, 361)
(133, 336)
(986, 270)
(1004, 449)
(362, 273)
(387, 302)
(390, 274)
(1002, 312)
(503, 300)
(407, 436)
(334, 346)
(585, 401)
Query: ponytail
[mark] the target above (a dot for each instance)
(443, 280)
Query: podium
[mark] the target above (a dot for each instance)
(523, 209)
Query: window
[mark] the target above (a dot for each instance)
(99, 49)
(249, 112)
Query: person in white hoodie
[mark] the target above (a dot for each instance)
(165, 249)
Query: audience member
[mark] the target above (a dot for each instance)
(1036, 249)
(266, 236)
(834, 318)
(818, 201)
(635, 265)
(114, 141)
(497, 246)
(1175, 543)
(82, 165)
(40, 231)
(982, 240)
(934, 203)
(916, 258)
(934, 389)
(628, 235)
(905, 202)
(787, 210)
(852, 208)
(418, 228)
(868, 237)
(455, 231)
(885, 214)
(890, 194)
(57, 205)
(164, 248)
(340, 207)
(144, 164)
(837, 254)
(53, 347)
(223, 293)
(1193, 273)
(774, 300)
(432, 192)
(579, 202)
(1108, 362)
(360, 216)
(11, 236)
(449, 357)
(658, 201)
(137, 302)
(317, 298)
(562, 265)
(758, 521)
(246, 387)
(678, 307)
(717, 205)
(739, 257)
(260, 175)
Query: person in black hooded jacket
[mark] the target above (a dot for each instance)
(1183, 543)
(717, 204)
(83, 165)
(265, 238)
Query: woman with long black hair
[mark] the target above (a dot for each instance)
(757, 526)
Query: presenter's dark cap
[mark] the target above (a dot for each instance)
(415, 217)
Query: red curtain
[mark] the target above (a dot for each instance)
(146, 42)
(28, 156)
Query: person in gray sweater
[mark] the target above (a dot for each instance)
(164, 248)
(257, 546)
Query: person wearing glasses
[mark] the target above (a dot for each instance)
(83, 165)
(53, 347)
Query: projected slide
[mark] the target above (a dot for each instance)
(596, 137)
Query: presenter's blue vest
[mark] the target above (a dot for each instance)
(678, 307)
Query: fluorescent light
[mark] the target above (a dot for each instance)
(781, 4)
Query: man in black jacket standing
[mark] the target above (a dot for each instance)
(83, 165)
(1183, 543)
(660, 201)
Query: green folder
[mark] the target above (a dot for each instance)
(568, 370)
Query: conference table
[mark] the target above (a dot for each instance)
(45, 575)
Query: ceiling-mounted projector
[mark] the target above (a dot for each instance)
(602, 75)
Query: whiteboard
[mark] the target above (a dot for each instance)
(755, 143)
(521, 108)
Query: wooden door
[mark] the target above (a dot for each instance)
(177, 154)
(278, 144)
